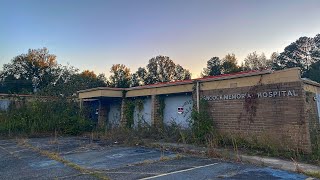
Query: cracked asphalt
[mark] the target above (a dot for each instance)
(18, 161)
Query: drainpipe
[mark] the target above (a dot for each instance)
(81, 103)
(198, 96)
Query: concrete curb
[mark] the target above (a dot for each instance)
(223, 153)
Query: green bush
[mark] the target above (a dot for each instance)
(44, 117)
(202, 124)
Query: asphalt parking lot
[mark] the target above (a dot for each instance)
(18, 161)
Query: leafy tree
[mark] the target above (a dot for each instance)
(37, 66)
(273, 58)
(229, 64)
(89, 74)
(315, 53)
(181, 73)
(11, 84)
(134, 80)
(138, 78)
(314, 72)
(121, 77)
(213, 67)
(254, 61)
(300, 53)
(160, 69)
(163, 69)
(75, 82)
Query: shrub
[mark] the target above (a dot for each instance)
(44, 116)
(201, 124)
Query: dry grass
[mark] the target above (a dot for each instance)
(315, 174)
(55, 156)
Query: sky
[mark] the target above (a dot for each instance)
(94, 34)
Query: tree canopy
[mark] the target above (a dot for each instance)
(38, 71)
(301, 53)
(120, 76)
(254, 61)
(213, 67)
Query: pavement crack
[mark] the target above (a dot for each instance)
(57, 157)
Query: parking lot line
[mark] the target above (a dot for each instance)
(175, 172)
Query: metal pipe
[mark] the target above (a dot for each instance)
(198, 96)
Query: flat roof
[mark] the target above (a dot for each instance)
(189, 81)
(210, 82)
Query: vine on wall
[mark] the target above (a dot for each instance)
(139, 104)
(129, 113)
(129, 110)
(251, 101)
(162, 105)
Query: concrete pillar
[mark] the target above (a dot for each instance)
(156, 114)
(102, 114)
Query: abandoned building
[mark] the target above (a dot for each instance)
(274, 105)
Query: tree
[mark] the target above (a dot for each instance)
(273, 57)
(181, 73)
(89, 74)
(138, 78)
(11, 84)
(315, 53)
(163, 69)
(160, 69)
(314, 72)
(300, 53)
(213, 67)
(37, 66)
(254, 61)
(70, 82)
(229, 64)
(120, 77)
(134, 80)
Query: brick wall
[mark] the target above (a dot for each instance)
(156, 116)
(265, 112)
(312, 117)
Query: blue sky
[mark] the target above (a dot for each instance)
(98, 33)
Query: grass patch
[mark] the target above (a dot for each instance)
(315, 174)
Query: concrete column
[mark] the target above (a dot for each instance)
(102, 114)
(156, 115)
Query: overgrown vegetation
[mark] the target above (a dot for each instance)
(44, 116)
(201, 124)
(129, 113)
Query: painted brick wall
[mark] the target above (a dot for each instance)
(114, 114)
(278, 119)
(144, 117)
(172, 102)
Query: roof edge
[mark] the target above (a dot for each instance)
(101, 88)
(190, 81)
(310, 82)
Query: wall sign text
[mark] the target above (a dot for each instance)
(266, 94)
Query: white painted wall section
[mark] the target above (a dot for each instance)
(174, 104)
(143, 118)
